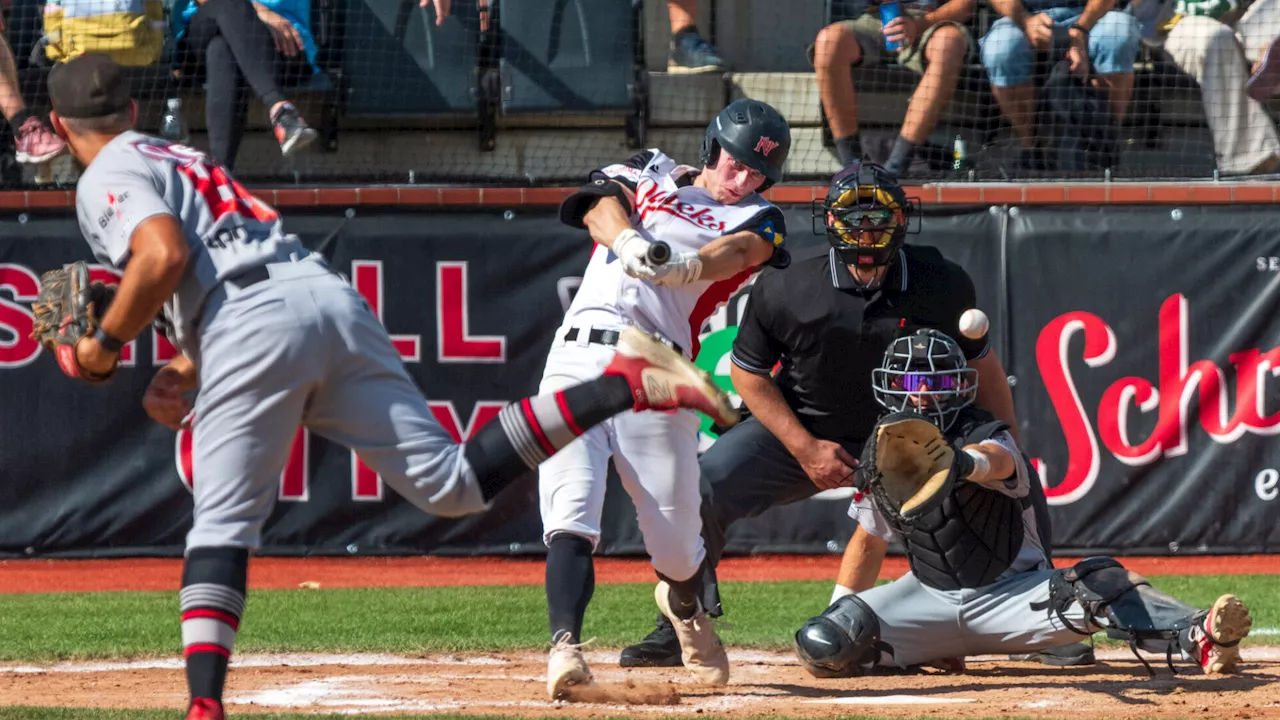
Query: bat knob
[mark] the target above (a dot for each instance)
(659, 253)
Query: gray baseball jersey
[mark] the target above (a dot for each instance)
(294, 345)
(137, 177)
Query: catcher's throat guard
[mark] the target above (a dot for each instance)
(1124, 604)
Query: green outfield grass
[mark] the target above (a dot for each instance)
(48, 627)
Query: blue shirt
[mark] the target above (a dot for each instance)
(297, 12)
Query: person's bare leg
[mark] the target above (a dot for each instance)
(1018, 104)
(10, 99)
(1119, 88)
(835, 52)
(684, 13)
(944, 55)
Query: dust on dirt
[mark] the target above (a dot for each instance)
(762, 684)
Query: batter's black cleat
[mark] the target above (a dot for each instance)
(1060, 656)
(660, 649)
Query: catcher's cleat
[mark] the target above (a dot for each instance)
(1217, 636)
(205, 709)
(661, 648)
(662, 379)
(700, 646)
(566, 668)
(1061, 656)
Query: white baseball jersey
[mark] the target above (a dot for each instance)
(670, 208)
(228, 230)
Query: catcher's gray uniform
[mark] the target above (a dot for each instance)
(922, 623)
(304, 348)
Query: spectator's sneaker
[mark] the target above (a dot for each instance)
(691, 53)
(1265, 79)
(1214, 641)
(37, 143)
(292, 132)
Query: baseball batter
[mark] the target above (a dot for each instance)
(273, 338)
(950, 482)
(720, 231)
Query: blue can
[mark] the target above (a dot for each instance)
(890, 9)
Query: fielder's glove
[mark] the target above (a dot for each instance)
(68, 308)
(632, 250)
(909, 467)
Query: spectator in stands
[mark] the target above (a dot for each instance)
(34, 140)
(1101, 37)
(264, 43)
(933, 44)
(690, 52)
(1258, 30)
(1244, 137)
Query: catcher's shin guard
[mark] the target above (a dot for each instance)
(1124, 604)
(844, 641)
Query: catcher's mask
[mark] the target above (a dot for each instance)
(925, 372)
(866, 216)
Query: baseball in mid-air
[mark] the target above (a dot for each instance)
(973, 323)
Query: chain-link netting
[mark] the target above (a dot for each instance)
(538, 92)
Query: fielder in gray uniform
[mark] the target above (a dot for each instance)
(980, 582)
(272, 338)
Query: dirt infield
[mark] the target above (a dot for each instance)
(27, 576)
(762, 684)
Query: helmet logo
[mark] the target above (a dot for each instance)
(765, 145)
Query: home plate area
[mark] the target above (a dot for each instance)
(762, 684)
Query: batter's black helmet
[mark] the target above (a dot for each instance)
(844, 641)
(754, 134)
(866, 215)
(925, 372)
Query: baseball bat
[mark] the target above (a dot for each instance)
(659, 253)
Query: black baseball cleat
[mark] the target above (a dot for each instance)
(1060, 656)
(660, 649)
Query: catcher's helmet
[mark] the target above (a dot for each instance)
(925, 372)
(866, 215)
(754, 134)
(844, 641)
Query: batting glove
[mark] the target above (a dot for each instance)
(631, 250)
(682, 269)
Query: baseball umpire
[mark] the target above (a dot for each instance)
(719, 231)
(826, 320)
(273, 338)
(950, 482)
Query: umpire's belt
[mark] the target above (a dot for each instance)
(610, 337)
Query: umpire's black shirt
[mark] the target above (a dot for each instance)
(829, 335)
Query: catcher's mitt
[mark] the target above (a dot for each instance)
(68, 308)
(909, 466)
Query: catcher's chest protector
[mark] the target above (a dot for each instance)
(968, 540)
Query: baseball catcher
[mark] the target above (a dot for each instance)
(69, 307)
(949, 481)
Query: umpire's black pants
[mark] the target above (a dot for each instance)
(746, 472)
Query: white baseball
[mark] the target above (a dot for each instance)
(973, 323)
